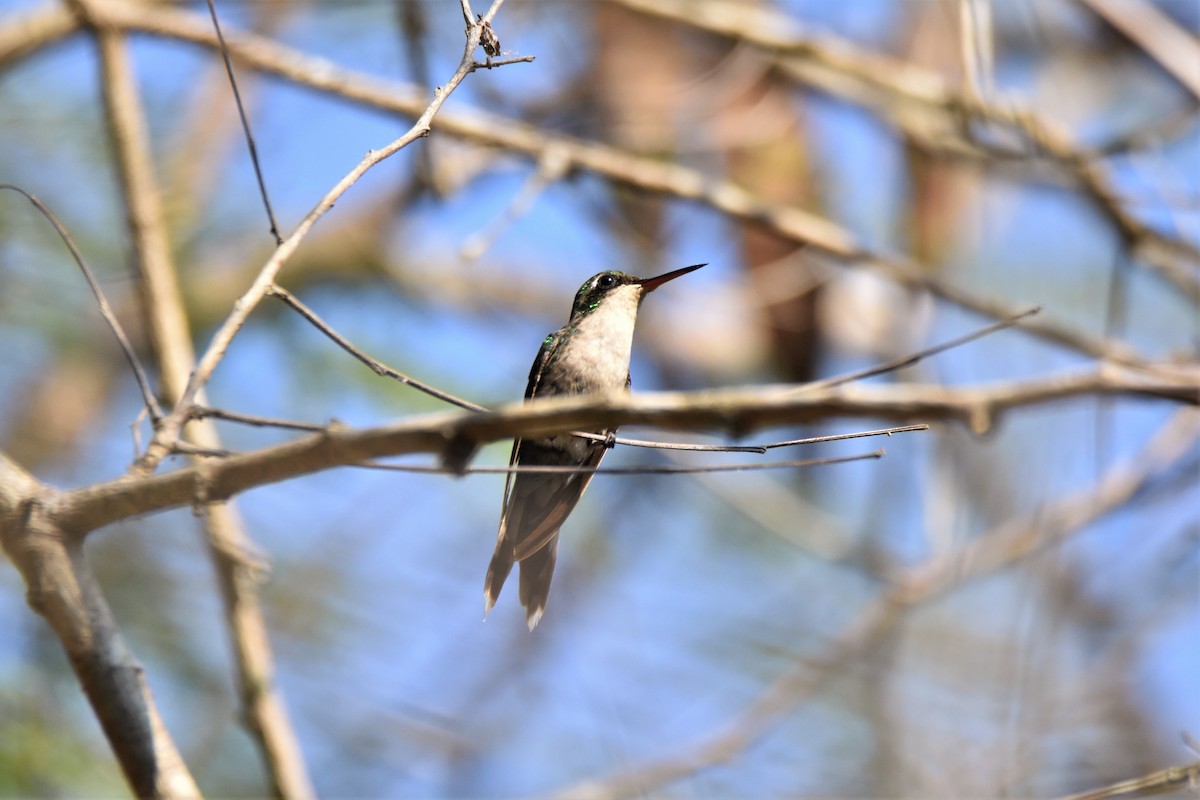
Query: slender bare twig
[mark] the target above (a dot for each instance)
(375, 365)
(202, 412)
(840, 437)
(644, 469)
(503, 62)
(920, 355)
(106, 311)
(250, 145)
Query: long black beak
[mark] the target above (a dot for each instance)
(650, 284)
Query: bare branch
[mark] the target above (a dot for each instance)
(737, 411)
(30, 31)
(910, 95)
(60, 587)
(1175, 50)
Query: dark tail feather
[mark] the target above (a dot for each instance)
(498, 569)
(536, 573)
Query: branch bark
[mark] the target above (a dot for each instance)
(454, 436)
(61, 589)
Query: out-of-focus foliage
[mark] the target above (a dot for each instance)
(679, 601)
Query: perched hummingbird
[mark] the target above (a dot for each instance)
(589, 355)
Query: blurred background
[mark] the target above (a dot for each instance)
(684, 608)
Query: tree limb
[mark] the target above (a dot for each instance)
(60, 587)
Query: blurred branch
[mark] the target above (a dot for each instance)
(456, 435)
(1018, 538)
(918, 101)
(163, 308)
(1174, 49)
(1172, 779)
(643, 173)
(1052, 525)
(27, 32)
(60, 587)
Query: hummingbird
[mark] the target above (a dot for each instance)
(588, 355)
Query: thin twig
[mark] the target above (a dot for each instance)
(645, 469)
(203, 412)
(237, 98)
(920, 355)
(502, 62)
(838, 437)
(139, 374)
(376, 366)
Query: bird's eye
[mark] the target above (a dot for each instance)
(606, 281)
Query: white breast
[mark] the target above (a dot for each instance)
(604, 341)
